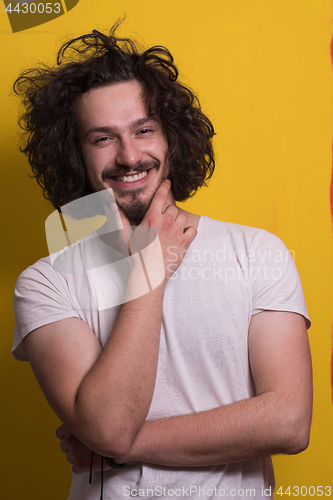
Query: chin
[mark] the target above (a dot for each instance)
(136, 206)
(135, 211)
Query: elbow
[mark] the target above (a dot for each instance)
(112, 449)
(105, 435)
(298, 443)
(109, 447)
(297, 436)
(112, 443)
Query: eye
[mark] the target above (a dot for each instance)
(102, 140)
(144, 131)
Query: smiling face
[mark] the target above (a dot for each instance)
(123, 148)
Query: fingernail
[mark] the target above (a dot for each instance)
(168, 180)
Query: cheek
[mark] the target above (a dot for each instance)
(157, 149)
(95, 162)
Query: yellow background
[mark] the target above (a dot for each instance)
(263, 72)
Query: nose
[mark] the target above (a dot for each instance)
(128, 152)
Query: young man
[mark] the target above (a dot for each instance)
(194, 384)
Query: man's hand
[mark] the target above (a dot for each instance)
(77, 454)
(174, 235)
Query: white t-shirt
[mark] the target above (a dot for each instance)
(229, 273)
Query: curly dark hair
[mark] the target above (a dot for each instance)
(95, 60)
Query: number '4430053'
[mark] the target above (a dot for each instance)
(306, 491)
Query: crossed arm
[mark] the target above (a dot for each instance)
(277, 420)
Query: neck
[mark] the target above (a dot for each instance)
(192, 219)
(112, 215)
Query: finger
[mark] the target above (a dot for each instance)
(172, 210)
(64, 446)
(70, 458)
(76, 469)
(191, 233)
(181, 218)
(158, 202)
(61, 431)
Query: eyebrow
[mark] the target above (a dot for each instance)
(110, 130)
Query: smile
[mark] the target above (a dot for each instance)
(131, 178)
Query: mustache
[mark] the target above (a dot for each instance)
(139, 167)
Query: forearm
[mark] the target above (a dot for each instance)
(241, 431)
(115, 395)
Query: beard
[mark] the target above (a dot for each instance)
(135, 208)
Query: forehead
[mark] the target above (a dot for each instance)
(116, 105)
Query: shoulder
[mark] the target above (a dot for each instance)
(209, 224)
(237, 234)
(41, 296)
(258, 252)
(38, 285)
(40, 271)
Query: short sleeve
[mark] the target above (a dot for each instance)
(276, 284)
(40, 298)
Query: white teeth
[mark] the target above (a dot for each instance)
(132, 178)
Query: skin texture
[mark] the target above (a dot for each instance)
(90, 388)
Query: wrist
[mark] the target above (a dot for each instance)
(139, 287)
(140, 282)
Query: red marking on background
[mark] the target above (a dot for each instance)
(331, 204)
